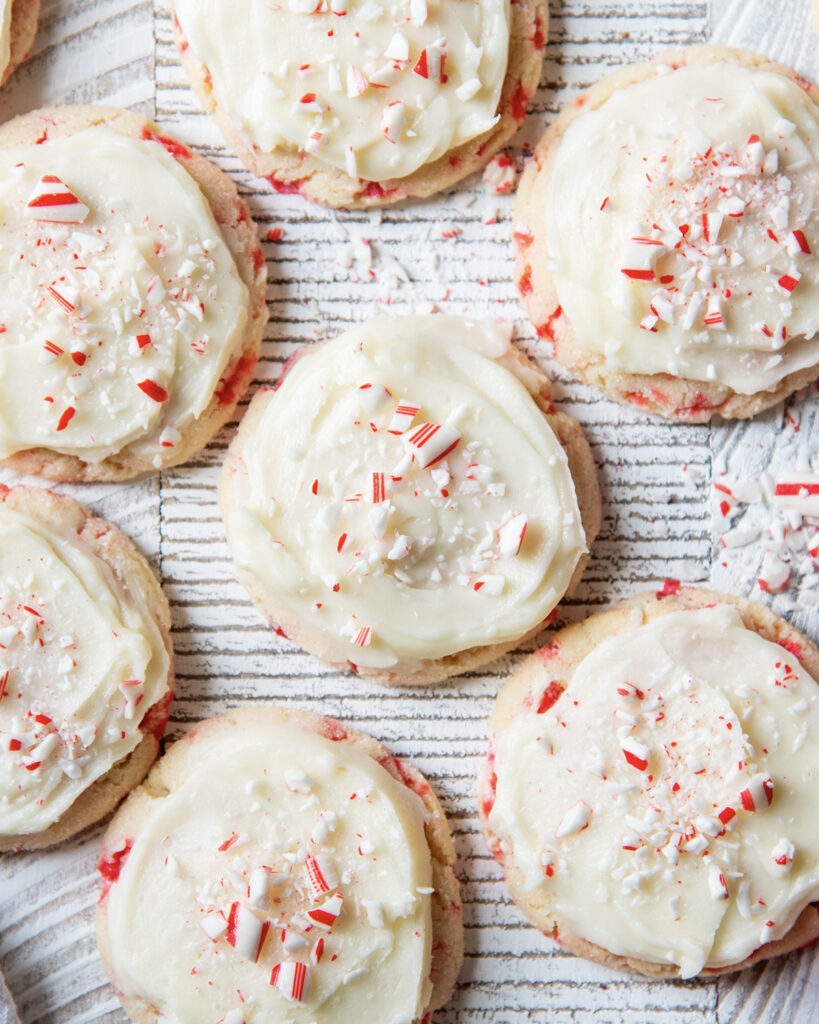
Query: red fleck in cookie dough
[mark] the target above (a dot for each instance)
(85, 667)
(359, 103)
(667, 235)
(651, 782)
(286, 869)
(409, 502)
(18, 27)
(132, 296)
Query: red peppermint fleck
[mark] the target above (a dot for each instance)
(153, 390)
(65, 419)
(669, 588)
(549, 696)
(801, 241)
(143, 340)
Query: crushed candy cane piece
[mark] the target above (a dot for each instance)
(292, 979)
(321, 872)
(53, 200)
(575, 820)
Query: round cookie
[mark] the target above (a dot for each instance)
(296, 872)
(21, 27)
(394, 99)
(86, 677)
(409, 503)
(133, 320)
(675, 265)
(672, 835)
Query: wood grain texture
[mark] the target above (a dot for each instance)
(658, 520)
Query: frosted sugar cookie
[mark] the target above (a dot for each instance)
(359, 103)
(287, 870)
(85, 667)
(409, 503)
(18, 27)
(131, 300)
(651, 785)
(667, 234)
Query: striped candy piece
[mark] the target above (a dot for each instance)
(430, 442)
(292, 979)
(53, 200)
(403, 416)
(245, 932)
(758, 796)
(321, 872)
(325, 915)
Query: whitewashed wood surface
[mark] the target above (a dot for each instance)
(657, 523)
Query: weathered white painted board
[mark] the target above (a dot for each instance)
(656, 522)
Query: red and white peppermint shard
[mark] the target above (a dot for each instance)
(490, 583)
(773, 573)
(325, 915)
(714, 317)
(53, 200)
(756, 151)
(214, 925)
(636, 753)
(403, 416)
(292, 980)
(372, 396)
(511, 534)
(245, 932)
(393, 117)
(321, 872)
(430, 442)
(49, 353)
(798, 243)
(783, 854)
(133, 690)
(787, 282)
(639, 258)
(356, 82)
(379, 491)
(430, 64)
(758, 795)
(364, 637)
(716, 883)
(574, 820)
(798, 491)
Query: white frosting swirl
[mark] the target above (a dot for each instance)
(388, 559)
(116, 329)
(627, 803)
(678, 243)
(81, 661)
(374, 89)
(237, 833)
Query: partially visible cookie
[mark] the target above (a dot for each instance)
(132, 301)
(86, 677)
(354, 103)
(667, 235)
(18, 27)
(409, 503)
(651, 783)
(286, 869)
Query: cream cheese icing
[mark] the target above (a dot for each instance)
(405, 495)
(286, 879)
(374, 89)
(120, 302)
(81, 660)
(664, 804)
(682, 227)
